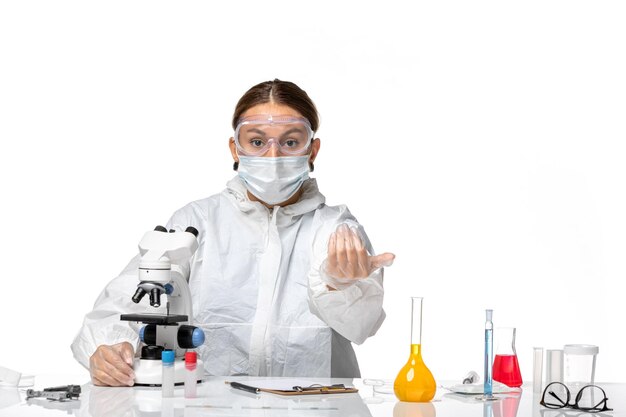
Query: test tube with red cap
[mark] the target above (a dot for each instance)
(191, 376)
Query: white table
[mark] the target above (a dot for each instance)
(217, 399)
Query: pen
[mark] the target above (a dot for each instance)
(321, 388)
(243, 387)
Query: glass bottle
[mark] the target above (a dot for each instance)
(505, 364)
(415, 382)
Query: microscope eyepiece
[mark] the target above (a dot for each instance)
(192, 230)
(160, 228)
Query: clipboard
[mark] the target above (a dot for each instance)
(314, 389)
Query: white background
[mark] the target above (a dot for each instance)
(480, 141)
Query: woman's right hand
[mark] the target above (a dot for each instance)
(112, 365)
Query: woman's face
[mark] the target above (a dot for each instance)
(272, 140)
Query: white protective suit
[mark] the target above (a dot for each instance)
(258, 290)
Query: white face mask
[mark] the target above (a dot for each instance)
(273, 180)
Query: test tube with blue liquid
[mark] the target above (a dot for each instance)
(488, 384)
(488, 387)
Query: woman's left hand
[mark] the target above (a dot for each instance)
(348, 258)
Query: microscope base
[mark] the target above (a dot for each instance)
(148, 372)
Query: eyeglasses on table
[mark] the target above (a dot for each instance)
(589, 399)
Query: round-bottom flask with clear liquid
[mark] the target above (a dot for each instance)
(415, 382)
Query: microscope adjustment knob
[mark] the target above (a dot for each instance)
(148, 334)
(160, 228)
(189, 337)
(192, 230)
(197, 337)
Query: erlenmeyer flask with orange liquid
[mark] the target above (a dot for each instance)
(415, 382)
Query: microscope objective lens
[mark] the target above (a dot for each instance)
(155, 297)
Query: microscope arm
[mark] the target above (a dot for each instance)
(180, 298)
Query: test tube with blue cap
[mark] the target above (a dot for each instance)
(167, 385)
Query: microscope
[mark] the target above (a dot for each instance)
(163, 270)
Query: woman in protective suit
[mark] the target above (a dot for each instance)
(281, 283)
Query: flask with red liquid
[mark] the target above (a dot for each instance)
(505, 364)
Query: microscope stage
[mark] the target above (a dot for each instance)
(155, 318)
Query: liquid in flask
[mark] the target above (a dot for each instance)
(505, 364)
(415, 382)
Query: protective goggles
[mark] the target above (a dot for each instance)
(255, 135)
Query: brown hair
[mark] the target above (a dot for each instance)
(279, 92)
